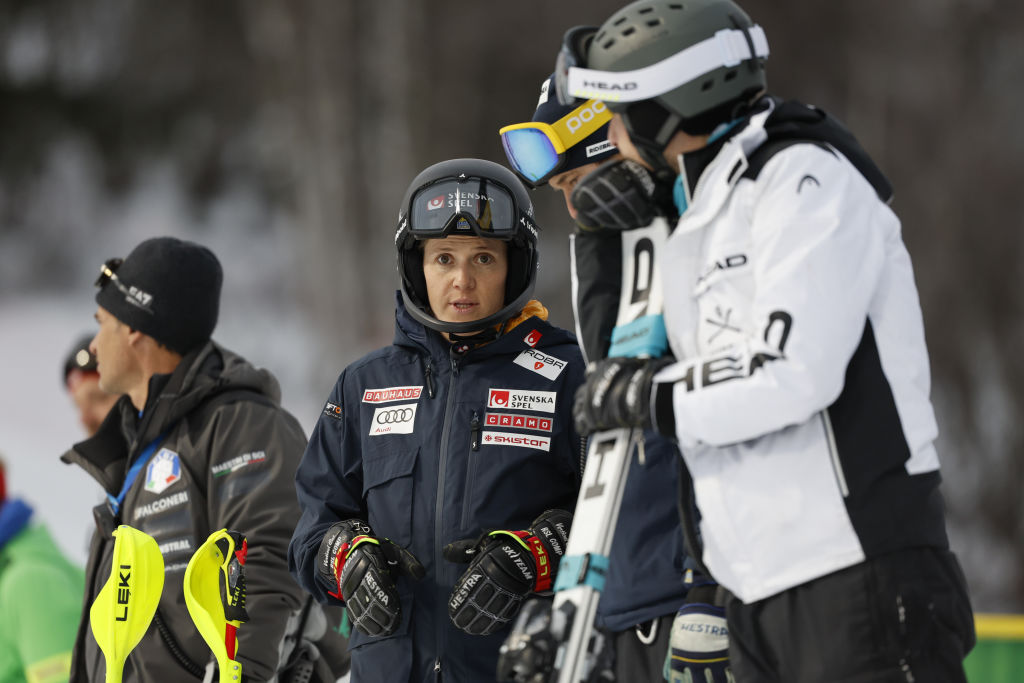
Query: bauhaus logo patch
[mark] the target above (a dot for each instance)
(540, 424)
(541, 443)
(391, 394)
(398, 419)
(541, 363)
(516, 399)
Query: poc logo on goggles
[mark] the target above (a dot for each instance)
(584, 115)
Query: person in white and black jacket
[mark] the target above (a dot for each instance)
(800, 397)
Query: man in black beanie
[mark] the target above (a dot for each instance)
(198, 442)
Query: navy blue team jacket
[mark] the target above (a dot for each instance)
(431, 446)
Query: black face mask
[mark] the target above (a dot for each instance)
(621, 195)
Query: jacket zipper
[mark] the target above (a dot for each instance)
(833, 452)
(474, 445)
(439, 502)
(428, 377)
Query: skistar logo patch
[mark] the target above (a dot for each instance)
(540, 424)
(436, 203)
(391, 394)
(542, 443)
(532, 338)
(163, 470)
(541, 363)
(543, 401)
(394, 419)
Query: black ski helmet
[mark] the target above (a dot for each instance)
(644, 34)
(467, 197)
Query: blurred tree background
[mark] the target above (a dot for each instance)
(283, 135)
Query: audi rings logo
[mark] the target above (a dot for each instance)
(394, 415)
(398, 419)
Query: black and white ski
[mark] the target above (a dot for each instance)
(639, 331)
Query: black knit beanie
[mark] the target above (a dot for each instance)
(168, 289)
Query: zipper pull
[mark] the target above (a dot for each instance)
(428, 376)
(474, 431)
(437, 666)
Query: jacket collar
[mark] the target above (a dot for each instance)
(201, 374)
(412, 334)
(710, 173)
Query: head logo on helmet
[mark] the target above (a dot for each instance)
(466, 196)
(667, 66)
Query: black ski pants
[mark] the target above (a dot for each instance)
(899, 618)
(640, 651)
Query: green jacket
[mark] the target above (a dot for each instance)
(40, 600)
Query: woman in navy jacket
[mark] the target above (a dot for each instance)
(454, 444)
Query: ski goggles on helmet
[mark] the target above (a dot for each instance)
(467, 205)
(108, 275)
(538, 150)
(726, 48)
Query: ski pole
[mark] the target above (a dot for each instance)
(215, 597)
(125, 606)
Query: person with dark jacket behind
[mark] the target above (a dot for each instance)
(451, 447)
(198, 442)
(645, 582)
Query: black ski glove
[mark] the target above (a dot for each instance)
(361, 570)
(699, 642)
(621, 195)
(505, 567)
(616, 394)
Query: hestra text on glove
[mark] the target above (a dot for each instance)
(361, 571)
(505, 567)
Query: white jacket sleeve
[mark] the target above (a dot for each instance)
(817, 238)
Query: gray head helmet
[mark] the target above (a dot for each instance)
(721, 72)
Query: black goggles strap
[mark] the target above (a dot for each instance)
(575, 44)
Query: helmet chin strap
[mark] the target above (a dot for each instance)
(484, 336)
(652, 148)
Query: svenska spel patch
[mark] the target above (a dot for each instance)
(389, 394)
(517, 399)
(541, 443)
(540, 424)
(162, 471)
(541, 363)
